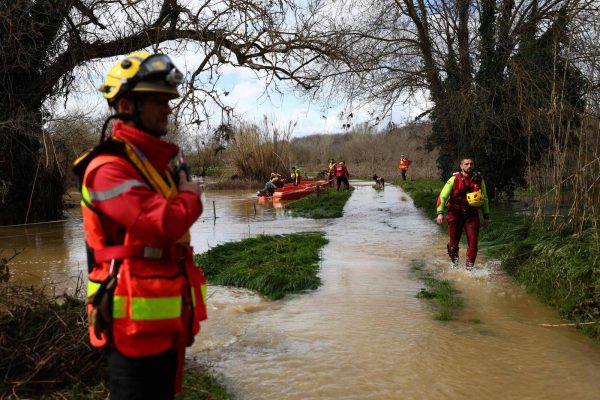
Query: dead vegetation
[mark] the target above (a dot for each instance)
(368, 152)
(43, 344)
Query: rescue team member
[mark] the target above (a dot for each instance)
(296, 176)
(273, 183)
(145, 293)
(463, 195)
(403, 165)
(341, 175)
(331, 172)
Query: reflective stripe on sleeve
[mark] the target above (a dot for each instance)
(114, 192)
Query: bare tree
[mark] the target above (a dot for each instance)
(494, 71)
(46, 45)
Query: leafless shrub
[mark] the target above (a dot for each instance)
(256, 151)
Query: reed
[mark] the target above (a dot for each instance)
(256, 151)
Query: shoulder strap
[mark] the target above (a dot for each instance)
(109, 147)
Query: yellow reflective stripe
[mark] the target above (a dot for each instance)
(153, 308)
(85, 194)
(119, 310)
(92, 288)
(167, 190)
(203, 291)
(203, 288)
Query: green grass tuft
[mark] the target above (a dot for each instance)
(440, 291)
(273, 266)
(201, 386)
(328, 204)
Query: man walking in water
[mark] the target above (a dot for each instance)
(462, 196)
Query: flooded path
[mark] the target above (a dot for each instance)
(363, 334)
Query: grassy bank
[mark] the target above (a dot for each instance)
(560, 268)
(440, 292)
(328, 204)
(45, 351)
(197, 385)
(271, 265)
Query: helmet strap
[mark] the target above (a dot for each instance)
(121, 116)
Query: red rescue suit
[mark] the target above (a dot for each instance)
(461, 216)
(136, 224)
(341, 176)
(403, 164)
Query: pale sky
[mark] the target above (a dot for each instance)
(248, 99)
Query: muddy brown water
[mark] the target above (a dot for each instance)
(363, 334)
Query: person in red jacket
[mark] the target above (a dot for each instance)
(403, 166)
(341, 176)
(146, 296)
(463, 195)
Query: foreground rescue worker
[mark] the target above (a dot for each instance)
(295, 176)
(403, 166)
(331, 172)
(146, 296)
(341, 176)
(463, 196)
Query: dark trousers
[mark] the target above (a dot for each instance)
(151, 377)
(458, 222)
(403, 174)
(338, 182)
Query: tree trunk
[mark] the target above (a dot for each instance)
(31, 187)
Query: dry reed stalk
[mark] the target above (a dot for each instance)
(256, 151)
(43, 342)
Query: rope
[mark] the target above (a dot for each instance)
(37, 223)
(573, 324)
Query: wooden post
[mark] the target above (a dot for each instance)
(214, 211)
(318, 190)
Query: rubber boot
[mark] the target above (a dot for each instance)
(453, 253)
